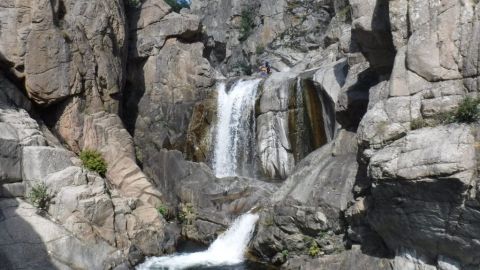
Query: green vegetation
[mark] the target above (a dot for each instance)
(187, 213)
(314, 249)
(246, 24)
(40, 197)
(133, 3)
(285, 253)
(176, 6)
(418, 123)
(468, 111)
(94, 161)
(260, 49)
(165, 211)
(345, 13)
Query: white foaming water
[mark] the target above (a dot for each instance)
(228, 249)
(235, 130)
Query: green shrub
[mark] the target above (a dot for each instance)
(187, 213)
(314, 250)
(176, 6)
(94, 161)
(40, 197)
(165, 211)
(246, 24)
(285, 253)
(467, 111)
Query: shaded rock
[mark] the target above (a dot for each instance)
(200, 135)
(371, 30)
(31, 241)
(10, 158)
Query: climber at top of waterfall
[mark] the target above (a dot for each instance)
(265, 69)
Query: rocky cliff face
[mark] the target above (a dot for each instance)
(353, 127)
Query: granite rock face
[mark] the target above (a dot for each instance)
(307, 210)
(65, 48)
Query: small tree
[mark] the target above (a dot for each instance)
(40, 197)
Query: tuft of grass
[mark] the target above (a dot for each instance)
(468, 111)
(94, 161)
(418, 123)
(314, 249)
(40, 197)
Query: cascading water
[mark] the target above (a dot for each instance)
(228, 249)
(235, 135)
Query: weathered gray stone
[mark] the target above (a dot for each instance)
(30, 241)
(40, 161)
(348, 260)
(308, 206)
(10, 155)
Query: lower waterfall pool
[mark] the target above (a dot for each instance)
(227, 252)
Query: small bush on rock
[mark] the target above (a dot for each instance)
(314, 250)
(40, 197)
(468, 111)
(94, 161)
(418, 123)
(165, 212)
(187, 213)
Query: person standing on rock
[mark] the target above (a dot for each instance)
(265, 69)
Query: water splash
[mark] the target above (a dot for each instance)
(228, 249)
(235, 135)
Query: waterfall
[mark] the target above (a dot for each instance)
(235, 134)
(228, 249)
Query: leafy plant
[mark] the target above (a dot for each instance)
(177, 5)
(468, 111)
(187, 213)
(314, 250)
(165, 212)
(94, 161)
(246, 24)
(40, 197)
(285, 253)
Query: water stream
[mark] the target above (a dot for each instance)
(227, 250)
(235, 134)
(233, 155)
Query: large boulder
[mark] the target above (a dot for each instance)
(308, 208)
